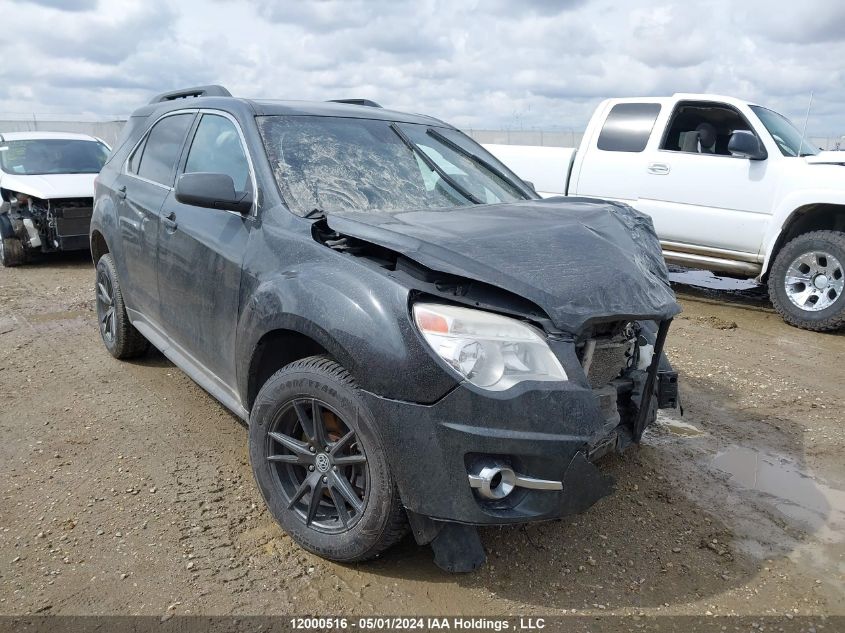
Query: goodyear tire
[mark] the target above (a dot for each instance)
(119, 335)
(319, 463)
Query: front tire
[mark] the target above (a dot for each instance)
(320, 465)
(119, 335)
(11, 252)
(807, 281)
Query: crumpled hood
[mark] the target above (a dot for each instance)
(51, 185)
(827, 158)
(579, 259)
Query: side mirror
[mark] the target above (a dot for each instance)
(212, 190)
(744, 144)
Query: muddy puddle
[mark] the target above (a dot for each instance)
(677, 427)
(794, 492)
(808, 504)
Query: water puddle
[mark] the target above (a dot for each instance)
(676, 427)
(795, 493)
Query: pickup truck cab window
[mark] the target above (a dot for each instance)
(217, 148)
(162, 148)
(628, 127)
(703, 128)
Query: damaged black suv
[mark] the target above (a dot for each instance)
(414, 338)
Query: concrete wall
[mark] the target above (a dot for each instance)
(106, 130)
(109, 131)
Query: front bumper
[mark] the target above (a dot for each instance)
(541, 432)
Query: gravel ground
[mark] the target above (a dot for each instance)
(126, 489)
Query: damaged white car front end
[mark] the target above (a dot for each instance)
(47, 190)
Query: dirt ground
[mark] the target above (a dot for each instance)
(126, 488)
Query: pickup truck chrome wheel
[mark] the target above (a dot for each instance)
(814, 281)
(318, 460)
(807, 281)
(319, 465)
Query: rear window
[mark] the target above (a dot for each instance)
(628, 127)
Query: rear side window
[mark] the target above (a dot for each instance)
(628, 127)
(162, 148)
(217, 148)
(135, 159)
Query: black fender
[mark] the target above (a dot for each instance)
(104, 221)
(360, 317)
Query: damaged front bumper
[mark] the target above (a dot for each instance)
(49, 225)
(543, 437)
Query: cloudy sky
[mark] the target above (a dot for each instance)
(475, 63)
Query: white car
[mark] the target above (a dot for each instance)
(47, 189)
(730, 186)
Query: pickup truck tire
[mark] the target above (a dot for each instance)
(806, 281)
(356, 513)
(11, 252)
(119, 335)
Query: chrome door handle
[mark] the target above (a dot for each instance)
(658, 168)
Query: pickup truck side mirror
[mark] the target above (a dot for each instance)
(744, 144)
(212, 190)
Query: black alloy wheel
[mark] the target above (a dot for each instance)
(318, 457)
(319, 465)
(106, 315)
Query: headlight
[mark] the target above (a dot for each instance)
(489, 350)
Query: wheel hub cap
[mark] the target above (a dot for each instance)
(814, 281)
(323, 463)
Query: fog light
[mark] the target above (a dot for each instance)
(494, 480)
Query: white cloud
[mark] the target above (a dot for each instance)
(481, 63)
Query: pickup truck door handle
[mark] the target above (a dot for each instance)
(121, 192)
(658, 168)
(169, 222)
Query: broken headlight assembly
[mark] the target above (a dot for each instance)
(491, 351)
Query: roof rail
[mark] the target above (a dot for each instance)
(360, 102)
(198, 91)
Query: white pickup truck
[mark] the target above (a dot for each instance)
(731, 187)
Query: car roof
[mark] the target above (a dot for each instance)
(31, 136)
(268, 107)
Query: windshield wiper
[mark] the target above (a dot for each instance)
(473, 157)
(434, 166)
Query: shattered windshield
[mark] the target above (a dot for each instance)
(325, 164)
(52, 156)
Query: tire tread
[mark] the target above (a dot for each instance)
(13, 252)
(129, 342)
(396, 525)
